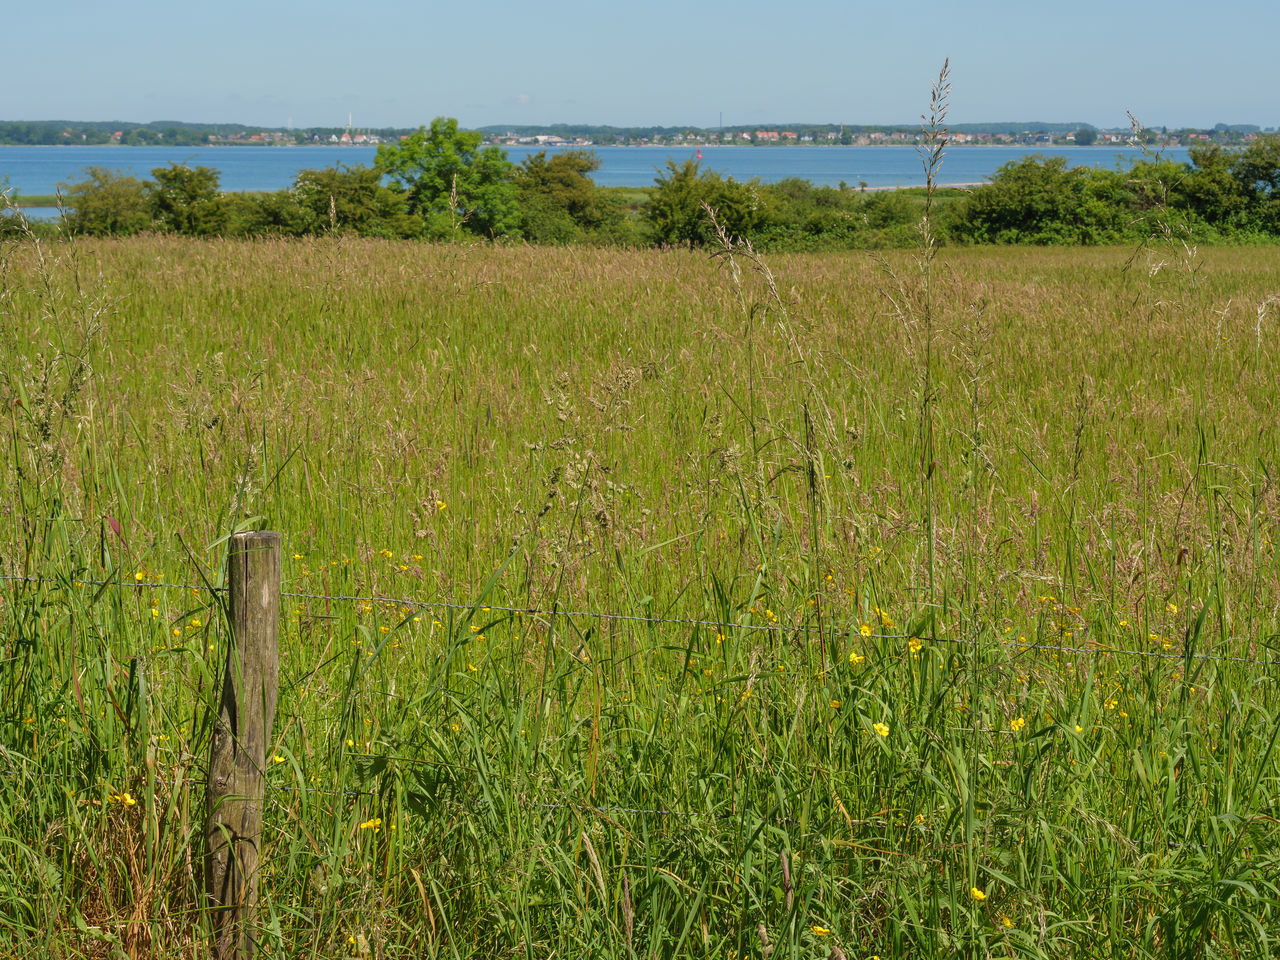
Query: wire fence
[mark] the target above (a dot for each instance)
(1096, 647)
(853, 627)
(536, 805)
(870, 824)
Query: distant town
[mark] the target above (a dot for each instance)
(166, 133)
(1078, 137)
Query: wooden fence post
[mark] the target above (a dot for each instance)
(241, 735)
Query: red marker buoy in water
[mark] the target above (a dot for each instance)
(699, 153)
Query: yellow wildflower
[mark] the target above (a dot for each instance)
(977, 894)
(881, 728)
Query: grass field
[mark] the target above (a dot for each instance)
(984, 575)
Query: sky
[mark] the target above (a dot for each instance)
(664, 62)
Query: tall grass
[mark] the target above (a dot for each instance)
(1065, 747)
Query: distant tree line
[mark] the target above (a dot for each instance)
(97, 132)
(443, 183)
(160, 133)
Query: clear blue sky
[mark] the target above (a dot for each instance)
(667, 62)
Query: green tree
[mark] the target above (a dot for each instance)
(276, 214)
(558, 199)
(107, 202)
(1039, 200)
(1086, 136)
(451, 182)
(793, 214)
(1257, 169)
(1257, 166)
(675, 206)
(1211, 189)
(186, 200)
(346, 199)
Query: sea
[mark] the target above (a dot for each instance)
(42, 170)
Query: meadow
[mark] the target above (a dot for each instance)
(650, 603)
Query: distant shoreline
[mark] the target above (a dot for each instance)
(572, 146)
(951, 145)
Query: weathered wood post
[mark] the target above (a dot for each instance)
(237, 757)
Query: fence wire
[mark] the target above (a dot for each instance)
(684, 816)
(599, 810)
(1098, 648)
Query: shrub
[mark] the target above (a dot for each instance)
(346, 199)
(107, 202)
(186, 200)
(675, 206)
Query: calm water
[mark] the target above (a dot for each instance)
(39, 170)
